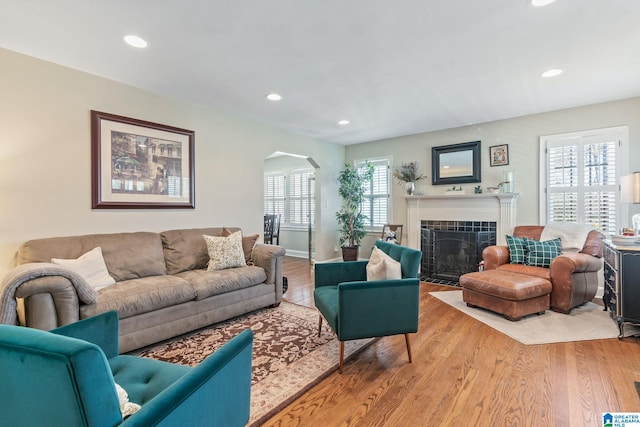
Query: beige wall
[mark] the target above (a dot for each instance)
(522, 135)
(45, 176)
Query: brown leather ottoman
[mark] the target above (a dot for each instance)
(511, 294)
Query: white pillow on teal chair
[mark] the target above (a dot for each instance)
(382, 267)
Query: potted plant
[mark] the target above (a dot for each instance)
(352, 182)
(408, 174)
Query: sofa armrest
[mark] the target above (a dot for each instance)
(563, 266)
(101, 330)
(332, 273)
(57, 289)
(216, 392)
(494, 256)
(269, 257)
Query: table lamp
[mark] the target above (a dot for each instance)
(630, 193)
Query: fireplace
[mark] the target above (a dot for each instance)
(453, 248)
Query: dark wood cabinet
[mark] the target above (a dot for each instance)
(622, 284)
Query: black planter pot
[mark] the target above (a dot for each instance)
(350, 253)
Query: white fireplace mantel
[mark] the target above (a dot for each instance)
(500, 207)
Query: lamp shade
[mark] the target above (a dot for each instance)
(630, 188)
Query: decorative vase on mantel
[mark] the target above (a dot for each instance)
(408, 174)
(410, 188)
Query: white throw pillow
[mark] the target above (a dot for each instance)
(127, 408)
(382, 267)
(225, 252)
(90, 267)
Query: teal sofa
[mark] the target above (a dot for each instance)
(356, 308)
(66, 378)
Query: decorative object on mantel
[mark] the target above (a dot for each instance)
(407, 174)
(507, 182)
(478, 189)
(454, 190)
(350, 218)
(493, 190)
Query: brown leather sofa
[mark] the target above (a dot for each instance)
(573, 276)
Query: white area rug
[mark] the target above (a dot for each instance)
(587, 322)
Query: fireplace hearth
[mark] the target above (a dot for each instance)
(453, 248)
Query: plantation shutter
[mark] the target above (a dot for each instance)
(582, 177)
(274, 194)
(301, 190)
(376, 202)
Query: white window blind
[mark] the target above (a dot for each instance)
(274, 194)
(582, 180)
(301, 197)
(376, 202)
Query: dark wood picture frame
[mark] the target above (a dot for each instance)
(466, 157)
(499, 155)
(140, 165)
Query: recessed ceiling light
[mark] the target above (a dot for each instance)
(552, 72)
(274, 97)
(541, 2)
(135, 41)
(343, 122)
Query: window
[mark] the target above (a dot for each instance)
(274, 194)
(582, 175)
(293, 198)
(301, 201)
(376, 203)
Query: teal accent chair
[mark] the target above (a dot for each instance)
(356, 308)
(66, 377)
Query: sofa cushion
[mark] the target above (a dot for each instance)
(540, 254)
(225, 252)
(248, 243)
(209, 283)
(137, 296)
(517, 249)
(186, 249)
(90, 267)
(127, 255)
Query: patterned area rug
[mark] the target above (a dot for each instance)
(288, 355)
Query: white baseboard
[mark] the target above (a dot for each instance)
(297, 254)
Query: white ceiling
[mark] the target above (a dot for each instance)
(391, 67)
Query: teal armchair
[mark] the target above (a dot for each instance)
(356, 308)
(66, 377)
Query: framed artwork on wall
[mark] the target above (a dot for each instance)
(140, 165)
(499, 155)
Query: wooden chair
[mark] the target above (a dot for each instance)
(269, 221)
(272, 229)
(392, 228)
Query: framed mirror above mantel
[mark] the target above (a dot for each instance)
(456, 163)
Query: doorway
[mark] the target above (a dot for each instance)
(290, 191)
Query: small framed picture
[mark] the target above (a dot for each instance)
(499, 155)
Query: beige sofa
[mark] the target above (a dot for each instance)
(162, 289)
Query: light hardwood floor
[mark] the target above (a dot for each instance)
(465, 374)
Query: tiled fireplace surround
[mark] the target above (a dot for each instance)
(493, 213)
